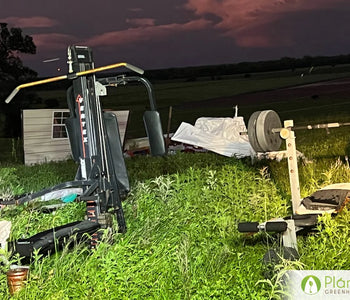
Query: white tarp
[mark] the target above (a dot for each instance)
(220, 135)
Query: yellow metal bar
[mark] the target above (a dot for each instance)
(48, 80)
(113, 66)
(82, 73)
(25, 85)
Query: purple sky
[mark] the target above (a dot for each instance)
(156, 34)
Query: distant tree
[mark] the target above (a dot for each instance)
(12, 43)
(12, 71)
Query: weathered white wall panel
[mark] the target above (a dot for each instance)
(39, 146)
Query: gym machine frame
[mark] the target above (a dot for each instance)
(96, 147)
(264, 132)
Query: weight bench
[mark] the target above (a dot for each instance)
(265, 134)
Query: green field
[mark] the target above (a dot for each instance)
(183, 210)
(181, 94)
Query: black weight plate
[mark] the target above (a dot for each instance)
(252, 132)
(266, 121)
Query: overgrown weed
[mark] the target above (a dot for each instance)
(182, 240)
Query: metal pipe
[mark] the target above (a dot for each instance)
(72, 76)
(315, 126)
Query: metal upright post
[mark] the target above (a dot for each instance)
(288, 134)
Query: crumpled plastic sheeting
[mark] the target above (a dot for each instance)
(220, 135)
(5, 230)
(227, 128)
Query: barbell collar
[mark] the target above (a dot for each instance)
(284, 133)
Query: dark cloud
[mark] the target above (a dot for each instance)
(167, 33)
(30, 22)
(145, 33)
(251, 23)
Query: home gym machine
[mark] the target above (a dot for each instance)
(96, 147)
(265, 133)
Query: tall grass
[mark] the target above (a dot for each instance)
(182, 240)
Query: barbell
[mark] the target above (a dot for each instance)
(265, 130)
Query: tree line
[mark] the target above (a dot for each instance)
(214, 71)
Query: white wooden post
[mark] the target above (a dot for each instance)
(288, 134)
